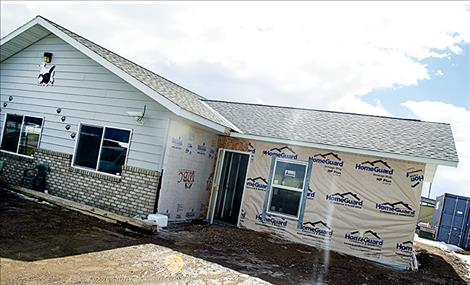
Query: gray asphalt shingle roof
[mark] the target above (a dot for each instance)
(182, 97)
(384, 134)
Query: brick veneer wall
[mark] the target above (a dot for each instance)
(14, 167)
(134, 193)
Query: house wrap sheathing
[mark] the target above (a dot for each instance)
(360, 205)
(189, 160)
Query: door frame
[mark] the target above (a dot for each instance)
(215, 185)
(216, 181)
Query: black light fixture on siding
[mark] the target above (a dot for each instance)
(67, 127)
(62, 119)
(47, 57)
(58, 110)
(72, 135)
(10, 98)
(5, 104)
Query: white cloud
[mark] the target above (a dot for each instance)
(319, 55)
(353, 104)
(448, 179)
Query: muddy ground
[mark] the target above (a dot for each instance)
(43, 244)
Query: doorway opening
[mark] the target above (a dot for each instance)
(229, 185)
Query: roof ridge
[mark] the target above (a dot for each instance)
(110, 51)
(319, 110)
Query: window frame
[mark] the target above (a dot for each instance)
(301, 191)
(21, 130)
(79, 128)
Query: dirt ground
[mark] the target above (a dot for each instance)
(44, 244)
(428, 252)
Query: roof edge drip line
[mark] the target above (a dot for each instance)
(348, 149)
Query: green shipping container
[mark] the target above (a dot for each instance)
(426, 234)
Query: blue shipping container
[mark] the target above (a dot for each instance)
(451, 220)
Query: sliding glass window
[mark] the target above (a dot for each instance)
(102, 149)
(21, 134)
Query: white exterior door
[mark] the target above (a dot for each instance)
(215, 185)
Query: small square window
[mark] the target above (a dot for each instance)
(287, 186)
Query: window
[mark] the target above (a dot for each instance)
(287, 186)
(21, 134)
(102, 149)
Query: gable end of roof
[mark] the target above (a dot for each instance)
(175, 98)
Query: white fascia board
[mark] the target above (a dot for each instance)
(347, 149)
(172, 107)
(174, 117)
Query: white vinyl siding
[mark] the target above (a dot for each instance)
(87, 93)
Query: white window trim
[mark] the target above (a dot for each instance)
(268, 211)
(21, 129)
(79, 127)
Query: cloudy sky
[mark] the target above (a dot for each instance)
(388, 58)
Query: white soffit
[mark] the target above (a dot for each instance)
(21, 38)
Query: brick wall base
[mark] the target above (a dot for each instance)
(132, 194)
